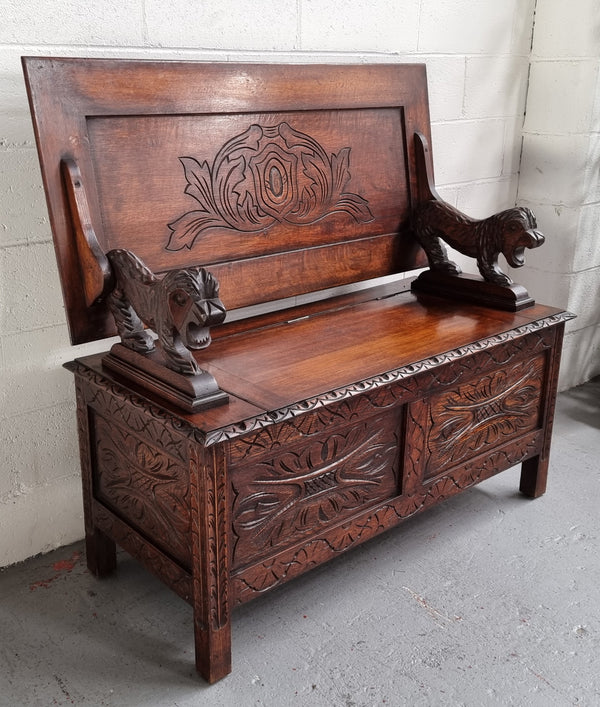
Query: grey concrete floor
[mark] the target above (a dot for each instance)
(488, 599)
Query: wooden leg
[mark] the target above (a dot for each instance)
(534, 473)
(212, 629)
(101, 553)
(100, 550)
(213, 651)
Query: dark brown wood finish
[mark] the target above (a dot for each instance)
(339, 418)
(144, 134)
(508, 233)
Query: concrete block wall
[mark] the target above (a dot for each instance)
(477, 52)
(560, 173)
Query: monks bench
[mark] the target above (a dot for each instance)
(230, 454)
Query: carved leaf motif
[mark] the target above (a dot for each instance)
(482, 414)
(198, 182)
(288, 496)
(265, 176)
(354, 204)
(327, 543)
(146, 486)
(186, 229)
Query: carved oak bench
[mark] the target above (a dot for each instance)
(180, 191)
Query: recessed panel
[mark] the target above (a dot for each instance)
(483, 414)
(213, 188)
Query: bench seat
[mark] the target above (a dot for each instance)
(231, 452)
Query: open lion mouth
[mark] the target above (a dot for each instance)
(196, 336)
(517, 257)
(533, 239)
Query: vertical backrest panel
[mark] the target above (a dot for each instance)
(230, 187)
(280, 179)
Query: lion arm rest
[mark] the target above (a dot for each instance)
(508, 232)
(180, 307)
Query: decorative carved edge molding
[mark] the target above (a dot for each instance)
(210, 582)
(132, 412)
(431, 365)
(83, 430)
(208, 483)
(371, 384)
(260, 442)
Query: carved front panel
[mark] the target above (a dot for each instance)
(145, 486)
(323, 546)
(480, 415)
(300, 489)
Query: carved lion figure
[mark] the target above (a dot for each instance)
(508, 232)
(179, 307)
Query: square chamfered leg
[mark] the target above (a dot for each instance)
(534, 471)
(534, 474)
(100, 550)
(200, 577)
(210, 513)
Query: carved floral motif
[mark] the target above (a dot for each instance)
(148, 487)
(264, 176)
(291, 494)
(483, 414)
(263, 576)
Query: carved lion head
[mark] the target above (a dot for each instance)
(519, 231)
(194, 305)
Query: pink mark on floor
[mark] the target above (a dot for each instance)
(60, 568)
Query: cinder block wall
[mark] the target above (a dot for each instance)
(560, 174)
(477, 52)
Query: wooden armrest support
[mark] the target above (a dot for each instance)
(95, 270)
(508, 232)
(180, 307)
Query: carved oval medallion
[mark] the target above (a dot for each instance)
(275, 181)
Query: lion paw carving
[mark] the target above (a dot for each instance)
(180, 308)
(508, 232)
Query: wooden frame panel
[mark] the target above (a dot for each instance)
(81, 108)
